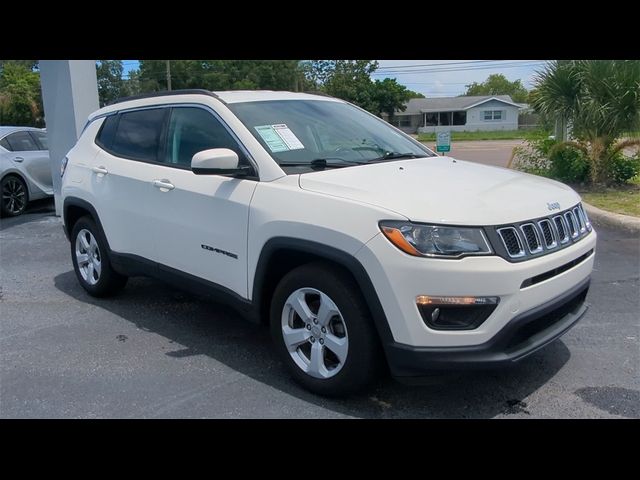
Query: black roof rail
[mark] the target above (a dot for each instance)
(189, 91)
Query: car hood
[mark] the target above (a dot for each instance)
(444, 190)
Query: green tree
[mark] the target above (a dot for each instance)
(221, 74)
(413, 94)
(600, 99)
(20, 95)
(110, 81)
(350, 80)
(388, 96)
(497, 84)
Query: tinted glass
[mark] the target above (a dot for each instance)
(107, 132)
(138, 134)
(5, 144)
(41, 140)
(21, 142)
(192, 130)
(299, 131)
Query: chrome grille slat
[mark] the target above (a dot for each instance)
(548, 234)
(574, 229)
(511, 241)
(531, 236)
(561, 228)
(580, 216)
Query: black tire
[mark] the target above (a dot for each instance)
(364, 358)
(13, 187)
(109, 282)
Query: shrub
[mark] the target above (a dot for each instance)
(621, 168)
(565, 163)
(569, 164)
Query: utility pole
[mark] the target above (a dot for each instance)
(169, 75)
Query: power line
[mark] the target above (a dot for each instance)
(460, 69)
(419, 65)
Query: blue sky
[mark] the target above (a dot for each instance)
(441, 78)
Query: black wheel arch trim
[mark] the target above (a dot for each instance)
(340, 257)
(78, 202)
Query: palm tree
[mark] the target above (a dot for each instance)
(600, 99)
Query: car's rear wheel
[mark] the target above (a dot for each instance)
(323, 331)
(91, 260)
(15, 196)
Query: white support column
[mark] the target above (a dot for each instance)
(69, 94)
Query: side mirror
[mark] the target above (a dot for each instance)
(217, 161)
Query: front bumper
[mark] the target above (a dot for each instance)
(523, 335)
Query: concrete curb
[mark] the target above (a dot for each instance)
(617, 220)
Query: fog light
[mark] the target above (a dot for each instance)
(455, 313)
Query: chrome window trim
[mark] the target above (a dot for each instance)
(215, 114)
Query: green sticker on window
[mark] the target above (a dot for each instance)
(272, 139)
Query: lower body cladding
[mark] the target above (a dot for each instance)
(513, 308)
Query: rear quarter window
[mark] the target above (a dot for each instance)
(107, 132)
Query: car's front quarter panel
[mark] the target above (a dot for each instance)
(282, 209)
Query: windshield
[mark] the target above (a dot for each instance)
(312, 133)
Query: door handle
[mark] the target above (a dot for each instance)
(18, 159)
(100, 170)
(163, 184)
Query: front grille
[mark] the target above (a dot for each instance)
(511, 241)
(532, 238)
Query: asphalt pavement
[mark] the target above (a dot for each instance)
(154, 352)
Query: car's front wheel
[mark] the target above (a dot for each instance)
(91, 260)
(323, 331)
(14, 196)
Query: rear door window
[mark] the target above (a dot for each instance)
(138, 133)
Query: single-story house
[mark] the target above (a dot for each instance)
(460, 114)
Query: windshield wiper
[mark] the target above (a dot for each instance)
(396, 156)
(322, 163)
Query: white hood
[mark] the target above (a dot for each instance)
(444, 190)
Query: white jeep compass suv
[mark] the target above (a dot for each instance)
(359, 245)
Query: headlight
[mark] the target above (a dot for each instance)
(435, 240)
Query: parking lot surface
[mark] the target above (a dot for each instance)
(155, 352)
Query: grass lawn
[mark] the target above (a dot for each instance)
(625, 200)
(497, 135)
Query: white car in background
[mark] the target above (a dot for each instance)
(25, 172)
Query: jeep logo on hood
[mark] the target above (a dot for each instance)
(553, 206)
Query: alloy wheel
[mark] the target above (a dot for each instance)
(88, 257)
(315, 333)
(14, 196)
